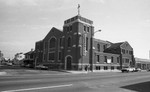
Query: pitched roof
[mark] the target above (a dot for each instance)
(113, 48)
(52, 30)
(115, 45)
(30, 52)
(102, 41)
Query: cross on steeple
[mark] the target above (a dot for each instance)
(78, 9)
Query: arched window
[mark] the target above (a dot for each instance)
(69, 42)
(52, 43)
(98, 47)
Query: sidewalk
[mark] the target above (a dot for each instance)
(94, 71)
(49, 72)
(6, 72)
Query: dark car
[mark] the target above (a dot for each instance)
(29, 66)
(148, 70)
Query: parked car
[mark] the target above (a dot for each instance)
(42, 67)
(128, 69)
(29, 66)
(137, 70)
(148, 70)
(9, 64)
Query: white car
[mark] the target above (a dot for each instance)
(128, 69)
(9, 64)
(42, 67)
(137, 69)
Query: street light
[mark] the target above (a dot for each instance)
(97, 31)
(91, 58)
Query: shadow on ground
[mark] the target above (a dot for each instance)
(140, 87)
(17, 70)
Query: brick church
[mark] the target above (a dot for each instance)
(74, 48)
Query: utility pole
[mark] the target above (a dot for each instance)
(91, 48)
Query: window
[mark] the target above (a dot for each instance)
(70, 27)
(98, 59)
(127, 60)
(118, 67)
(52, 43)
(112, 59)
(87, 43)
(130, 52)
(98, 47)
(69, 42)
(123, 51)
(105, 59)
(85, 28)
(60, 42)
(59, 56)
(98, 68)
(104, 46)
(51, 56)
(112, 68)
(31, 56)
(105, 68)
(118, 60)
(88, 29)
(67, 29)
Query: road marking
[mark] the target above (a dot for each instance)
(48, 87)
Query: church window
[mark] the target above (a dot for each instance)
(52, 56)
(52, 43)
(69, 42)
(70, 27)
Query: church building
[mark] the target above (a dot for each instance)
(74, 48)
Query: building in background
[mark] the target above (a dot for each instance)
(113, 55)
(1, 57)
(29, 60)
(18, 59)
(74, 48)
(143, 64)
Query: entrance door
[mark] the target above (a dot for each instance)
(68, 63)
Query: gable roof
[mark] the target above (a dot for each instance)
(115, 45)
(52, 30)
(30, 52)
(113, 48)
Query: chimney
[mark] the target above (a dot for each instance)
(32, 49)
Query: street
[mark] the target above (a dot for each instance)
(90, 82)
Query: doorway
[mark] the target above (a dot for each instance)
(68, 63)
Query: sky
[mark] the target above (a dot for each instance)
(23, 22)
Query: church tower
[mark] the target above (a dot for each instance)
(77, 41)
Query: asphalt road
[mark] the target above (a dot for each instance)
(91, 82)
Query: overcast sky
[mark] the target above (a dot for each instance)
(23, 22)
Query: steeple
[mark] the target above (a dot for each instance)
(78, 18)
